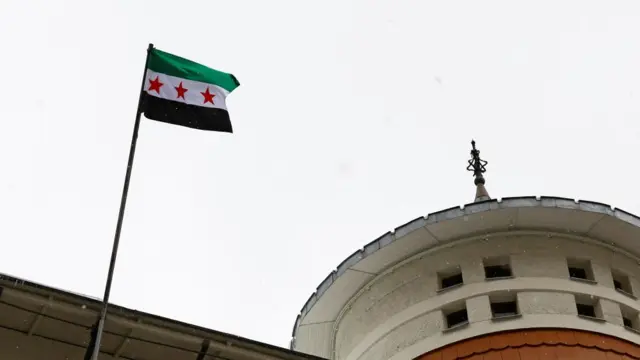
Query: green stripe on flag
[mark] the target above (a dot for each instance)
(169, 64)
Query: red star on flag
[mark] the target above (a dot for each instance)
(155, 85)
(208, 97)
(181, 91)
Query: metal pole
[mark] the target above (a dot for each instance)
(123, 202)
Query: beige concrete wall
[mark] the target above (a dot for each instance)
(400, 310)
(313, 336)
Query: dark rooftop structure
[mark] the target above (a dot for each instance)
(39, 322)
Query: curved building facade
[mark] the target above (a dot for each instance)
(518, 278)
(490, 267)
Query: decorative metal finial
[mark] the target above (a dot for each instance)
(477, 165)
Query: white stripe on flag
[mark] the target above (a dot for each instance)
(193, 94)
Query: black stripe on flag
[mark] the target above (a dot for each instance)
(192, 116)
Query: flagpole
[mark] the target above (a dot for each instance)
(123, 202)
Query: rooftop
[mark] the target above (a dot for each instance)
(38, 320)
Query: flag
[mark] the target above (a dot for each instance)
(182, 92)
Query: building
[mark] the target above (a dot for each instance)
(517, 278)
(38, 322)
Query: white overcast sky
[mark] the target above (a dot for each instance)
(353, 118)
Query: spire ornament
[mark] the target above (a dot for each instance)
(478, 166)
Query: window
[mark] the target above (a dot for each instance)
(450, 278)
(501, 309)
(497, 268)
(586, 310)
(588, 307)
(450, 281)
(630, 318)
(456, 317)
(503, 305)
(580, 270)
(621, 282)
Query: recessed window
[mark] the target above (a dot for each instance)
(621, 282)
(450, 278)
(456, 317)
(450, 281)
(504, 305)
(501, 309)
(586, 310)
(588, 307)
(580, 270)
(630, 318)
(496, 268)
